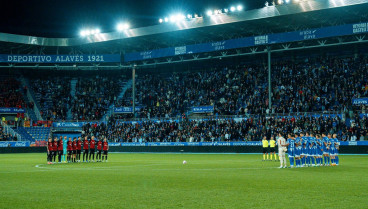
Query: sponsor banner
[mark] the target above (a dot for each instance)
(318, 33)
(113, 144)
(356, 143)
(15, 144)
(68, 124)
(203, 109)
(26, 58)
(126, 109)
(360, 101)
(11, 110)
(185, 144)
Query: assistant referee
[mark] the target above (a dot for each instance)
(265, 148)
(273, 147)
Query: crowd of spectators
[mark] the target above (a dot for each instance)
(318, 85)
(324, 84)
(6, 137)
(245, 129)
(53, 95)
(10, 93)
(94, 96)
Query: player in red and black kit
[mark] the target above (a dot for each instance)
(70, 149)
(79, 148)
(105, 147)
(60, 149)
(74, 150)
(49, 151)
(99, 150)
(92, 147)
(55, 148)
(85, 148)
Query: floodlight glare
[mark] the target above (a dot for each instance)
(166, 19)
(287, 1)
(280, 1)
(215, 12)
(180, 17)
(209, 12)
(122, 26)
(172, 18)
(97, 31)
(160, 20)
(195, 15)
(232, 9)
(189, 16)
(239, 7)
(87, 32)
(82, 33)
(226, 10)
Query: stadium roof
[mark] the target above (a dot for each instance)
(267, 20)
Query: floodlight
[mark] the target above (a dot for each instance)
(172, 18)
(166, 19)
(122, 26)
(232, 9)
(215, 12)
(97, 31)
(160, 20)
(82, 33)
(287, 1)
(209, 12)
(280, 1)
(226, 10)
(189, 16)
(239, 7)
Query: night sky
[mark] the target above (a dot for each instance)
(65, 18)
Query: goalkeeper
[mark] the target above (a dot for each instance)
(282, 149)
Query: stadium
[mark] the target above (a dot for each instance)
(230, 107)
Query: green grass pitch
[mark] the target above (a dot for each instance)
(162, 181)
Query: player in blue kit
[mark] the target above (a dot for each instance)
(312, 145)
(326, 149)
(298, 150)
(304, 147)
(336, 146)
(319, 150)
(291, 148)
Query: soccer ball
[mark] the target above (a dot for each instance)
(184, 162)
(285, 149)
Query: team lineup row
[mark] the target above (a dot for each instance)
(308, 150)
(72, 149)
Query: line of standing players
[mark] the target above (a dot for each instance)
(72, 149)
(313, 150)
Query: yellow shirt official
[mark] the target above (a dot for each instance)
(265, 143)
(272, 143)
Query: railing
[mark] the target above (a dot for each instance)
(8, 130)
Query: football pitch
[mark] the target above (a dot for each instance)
(163, 181)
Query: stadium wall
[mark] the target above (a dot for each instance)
(188, 149)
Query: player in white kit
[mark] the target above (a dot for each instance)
(281, 142)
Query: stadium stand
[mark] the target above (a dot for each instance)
(10, 93)
(323, 84)
(94, 96)
(236, 129)
(34, 133)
